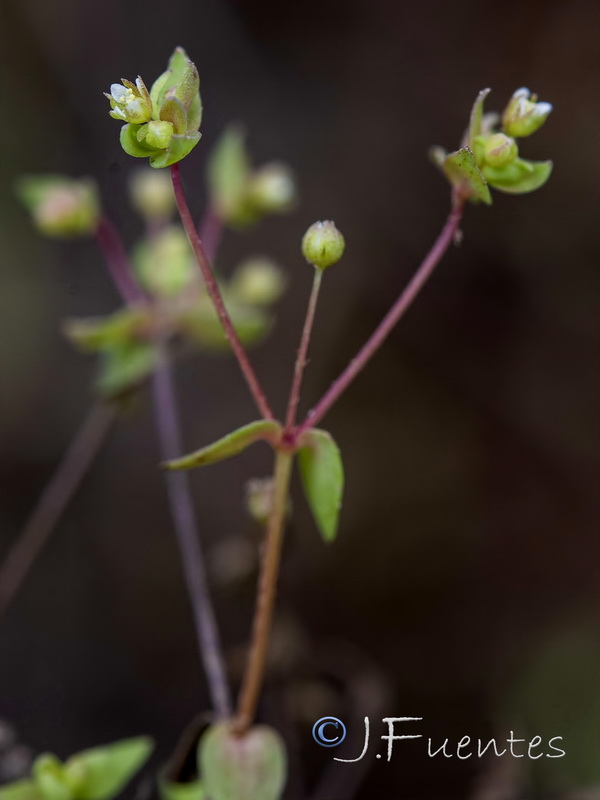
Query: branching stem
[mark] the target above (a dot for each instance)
(393, 316)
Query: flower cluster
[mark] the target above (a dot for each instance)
(161, 124)
(490, 157)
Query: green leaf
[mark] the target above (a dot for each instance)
(201, 324)
(170, 78)
(322, 475)
(124, 367)
(250, 767)
(99, 333)
(465, 175)
(180, 791)
(228, 169)
(173, 111)
(50, 777)
(476, 117)
(102, 772)
(21, 790)
(230, 445)
(132, 145)
(179, 147)
(519, 177)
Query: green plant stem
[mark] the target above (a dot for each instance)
(217, 299)
(186, 528)
(393, 316)
(302, 352)
(267, 591)
(54, 500)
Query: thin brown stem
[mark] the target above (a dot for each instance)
(302, 352)
(267, 591)
(216, 296)
(53, 501)
(397, 311)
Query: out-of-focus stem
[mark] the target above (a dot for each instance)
(215, 295)
(184, 519)
(53, 501)
(117, 262)
(267, 592)
(393, 316)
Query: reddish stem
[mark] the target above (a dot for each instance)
(210, 231)
(396, 312)
(216, 297)
(302, 352)
(117, 261)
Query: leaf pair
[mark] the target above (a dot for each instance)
(96, 774)
(319, 459)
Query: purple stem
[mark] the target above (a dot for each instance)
(184, 517)
(217, 299)
(178, 488)
(53, 501)
(117, 261)
(396, 312)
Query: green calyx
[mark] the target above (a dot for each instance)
(323, 244)
(162, 124)
(61, 207)
(490, 158)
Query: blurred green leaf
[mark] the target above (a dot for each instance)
(464, 174)
(102, 772)
(230, 445)
(180, 791)
(558, 694)
(228, 171)
(164, 264)
(21, 790)
(201, 324)
(124, 367)
(250, 767)
(99, 333)
(50, 776)
(322, 475)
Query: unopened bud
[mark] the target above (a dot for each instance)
(499, 150)
(322, 244)
(152, 193)
(61, 207)
(257, 282)
(524, 115)
(271, 189)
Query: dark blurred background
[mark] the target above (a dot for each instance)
(463, 587)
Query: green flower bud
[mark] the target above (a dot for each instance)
(61, 207)
(130, 102)
(257, 281)
(271, 189)
(499, 150)
(524, 114)
(156, 134)
(164, 264)
(152, 193)
(322, 245)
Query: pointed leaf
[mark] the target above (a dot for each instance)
(476, 117)
(322, 474)
(103, 772)
(465, 175)
(169, 78)
(250, 767)
(519, 177)
(228, 170)
(98, 333)
(21, 790)
(230, 445)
